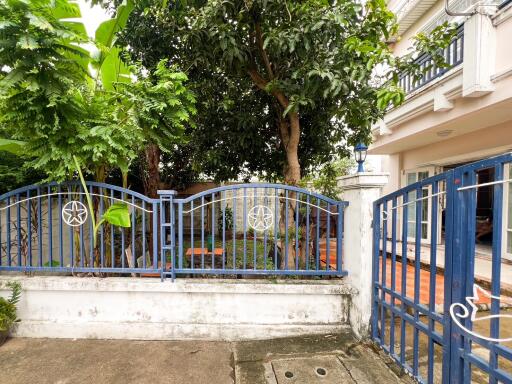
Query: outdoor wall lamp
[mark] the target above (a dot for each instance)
(360, 152)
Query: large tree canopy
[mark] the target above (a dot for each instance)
(281, 85)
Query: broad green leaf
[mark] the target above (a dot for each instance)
(113, 70)
(118, 215)
(13, 146)
(105, 34)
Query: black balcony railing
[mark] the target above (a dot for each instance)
(454, 55)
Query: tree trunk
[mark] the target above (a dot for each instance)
(152, 172)
(151, 181)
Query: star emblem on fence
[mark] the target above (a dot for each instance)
(260, 217)
(74, 213)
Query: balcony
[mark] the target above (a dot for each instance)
(454, 54)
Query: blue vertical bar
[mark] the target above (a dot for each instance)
(276, 230)
(405, 204)
(102, 230)
(224, 202)
(192, 234)
(328, 240)
(71, 235)
(417, 269)
(245, 229)
(29, 228)
(81, 231)
(91, 240)
(144, 239)
(123, 254)
(394, 203)
(339, 238)
(112, 235)
(173, 238)
(265, 232)
(50, 229)
(496, 267)
(432, 285)
(18, 228)
(202, 232)
(180, 235)
(385, 217)
(286, 235)
(155, 208)
(469, 257)
(307, 230)
(255, 233)
(212, 196)
(134, 225)
(161, 207)
(235, 195)
(297, 207)
(59, 214)
(8, 234)
(375, 271)
(317, 266)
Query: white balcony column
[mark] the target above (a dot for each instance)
(479, 54)
(360, 190)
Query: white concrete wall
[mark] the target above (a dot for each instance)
(130, 308)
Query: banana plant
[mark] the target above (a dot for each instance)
(117, 214)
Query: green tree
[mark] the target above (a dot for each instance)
(162, 108)
(293, 80)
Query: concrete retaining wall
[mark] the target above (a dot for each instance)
(145, 308)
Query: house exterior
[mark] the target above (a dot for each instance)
(457, 115)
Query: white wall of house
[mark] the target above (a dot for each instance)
(464, 115)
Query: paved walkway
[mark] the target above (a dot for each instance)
(321, 359)
(483, 262)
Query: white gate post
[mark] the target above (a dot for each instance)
(360, 190)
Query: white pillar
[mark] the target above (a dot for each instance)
(479, 55)
(360, 190)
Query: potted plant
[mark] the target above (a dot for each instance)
(8, 310)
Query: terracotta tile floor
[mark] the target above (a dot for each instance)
(424, 284)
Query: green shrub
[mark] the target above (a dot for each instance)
(8, 307)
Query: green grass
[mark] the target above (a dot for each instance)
(237, 248)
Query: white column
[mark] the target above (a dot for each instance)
(360, 190)
(479, 54)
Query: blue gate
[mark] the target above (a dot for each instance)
(440, 300)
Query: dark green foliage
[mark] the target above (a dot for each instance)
(14, 174)
(320, 55)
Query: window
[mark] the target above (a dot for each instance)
(412, 177)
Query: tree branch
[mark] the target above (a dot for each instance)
(263, 53)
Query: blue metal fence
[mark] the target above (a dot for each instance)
(421, 313)
(34, 235)
(258, 229)
(261, 229)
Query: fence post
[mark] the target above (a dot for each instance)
(167, 221)
(360, 190)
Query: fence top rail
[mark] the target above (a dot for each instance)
(41, 187)
(262, 186)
